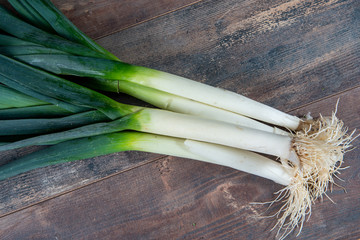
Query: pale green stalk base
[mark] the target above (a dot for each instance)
(241, 160)
(179, 104)
(217, 97)
(191, 127)
(213, 153)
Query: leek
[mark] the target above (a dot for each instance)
(119, 71)
(185, 126)
(148, 120)
(307, 172)
(309, 133)
(179, 104)
(165, 82)
(142, 73)
(125, 141)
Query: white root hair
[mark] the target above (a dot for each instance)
(320, 145)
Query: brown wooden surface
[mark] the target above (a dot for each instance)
(110, 16)
(298, 56)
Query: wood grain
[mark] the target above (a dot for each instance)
(104, 17)
(29, 188)
(112, 16)
(175, 198)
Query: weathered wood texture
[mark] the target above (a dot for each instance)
(111, 16)
(291, 55)
(30, 188)
(104, 17)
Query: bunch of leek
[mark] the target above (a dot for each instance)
(311, 151)
(172, 133)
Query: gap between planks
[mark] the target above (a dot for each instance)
(324, 98)
(155, 159)
(85, 185)
(148, 20)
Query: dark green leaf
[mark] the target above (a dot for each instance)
(10, 98)
(41, 126)
(44, 111)
(60, 88)
(80, 66)
(68, 151)
(63, 26)
(27, 32)
(25, 90)
(26, 50)
(30, 14)
(84, 131)
(6, 40)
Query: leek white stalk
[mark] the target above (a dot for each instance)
(179, 104)
(179, 125)
(212, 131)
(311, 157)
(241, 160)
(166, 82)
(124, 141)
(217, 97)
(213, 153)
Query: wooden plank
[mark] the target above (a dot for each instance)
(112, 16)
(37, 185)
(104, 17)
(176, 198)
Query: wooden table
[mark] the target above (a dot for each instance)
(295, 55)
